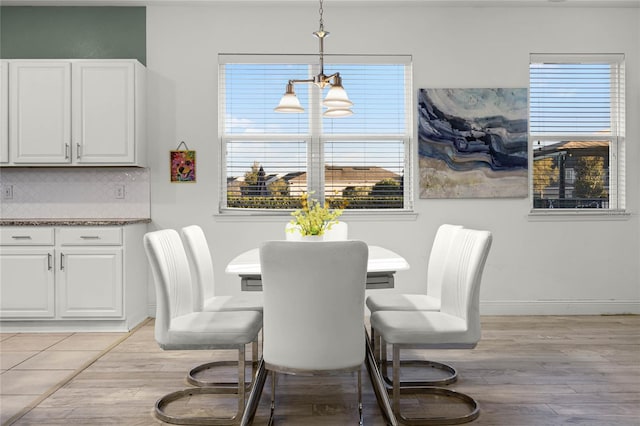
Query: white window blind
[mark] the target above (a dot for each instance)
(577, 131)
(270, 158)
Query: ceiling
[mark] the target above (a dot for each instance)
(451, 3)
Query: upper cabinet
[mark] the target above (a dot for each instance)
(76, 113)
(4, 112)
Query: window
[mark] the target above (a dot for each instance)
(577, 131)
(359, 162)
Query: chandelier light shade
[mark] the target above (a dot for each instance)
(337, 112)
(337, 101)
(337, 96)
(289, 102)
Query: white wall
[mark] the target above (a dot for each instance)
(535, 267)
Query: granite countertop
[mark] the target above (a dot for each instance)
(73, 222)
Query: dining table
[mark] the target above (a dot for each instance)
(381, 268)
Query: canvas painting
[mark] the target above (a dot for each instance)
(472, 143)
(183, 166)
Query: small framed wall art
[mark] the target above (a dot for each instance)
(183, 164)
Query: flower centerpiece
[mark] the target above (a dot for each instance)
(313, 218)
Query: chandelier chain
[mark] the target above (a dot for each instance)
(321, 10)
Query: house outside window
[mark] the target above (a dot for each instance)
(577, 131)
(269, 159)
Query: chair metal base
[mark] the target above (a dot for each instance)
(195, 420)
(452, 376)
(191, 375)
(472, 414)
(397, 389)
(193, 380)
(238, 389)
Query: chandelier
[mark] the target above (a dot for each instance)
(337, 101)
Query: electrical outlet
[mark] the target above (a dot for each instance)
(7, 192)
(119, 191)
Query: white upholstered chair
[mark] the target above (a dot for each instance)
(455, 325)
(314, 308)
(429, 300)
(179, 327)
(339, 232)
(204, 296)
(201, 263)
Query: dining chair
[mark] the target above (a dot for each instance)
(455, 326)
(204, 297)
(179, 327)
(429, 300)
(314, 309)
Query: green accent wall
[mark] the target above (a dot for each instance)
(73, 32)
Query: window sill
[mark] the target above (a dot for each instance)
(577, 215)
(348, 216)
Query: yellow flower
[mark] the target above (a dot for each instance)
(313, 218)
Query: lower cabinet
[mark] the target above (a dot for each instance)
(74, 277)
(90, 283)
(27, 283)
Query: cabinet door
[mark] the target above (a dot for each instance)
(4, 112)
(104, 112)
(40, 111)
(90, 282)
(26, 283)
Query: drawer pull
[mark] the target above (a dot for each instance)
(21, 237)
(90, 237)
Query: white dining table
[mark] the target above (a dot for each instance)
(381, 267)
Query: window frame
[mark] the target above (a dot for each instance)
(315, 139)
(616, 139)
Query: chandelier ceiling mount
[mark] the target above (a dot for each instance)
(336, 101)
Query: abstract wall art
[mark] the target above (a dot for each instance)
(472, 143)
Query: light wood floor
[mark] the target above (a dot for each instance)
(550, 370)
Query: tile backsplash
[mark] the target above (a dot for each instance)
(74, 193)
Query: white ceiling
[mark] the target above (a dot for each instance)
(453, 3)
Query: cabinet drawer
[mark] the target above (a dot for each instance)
(23, 236)
(89, 236)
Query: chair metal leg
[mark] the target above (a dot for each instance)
(378, 385)
(380, 349)
(360, 414)
(162, 403)
(273, 398)
(397, 390)
(195, 371)
(254, 397)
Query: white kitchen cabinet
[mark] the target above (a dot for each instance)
(40, 112)
(89, 276)
(72, 278)
(76, 112)
(27, 273)
(4, 112)
(26, 282)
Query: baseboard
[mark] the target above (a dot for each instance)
(559, 307)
